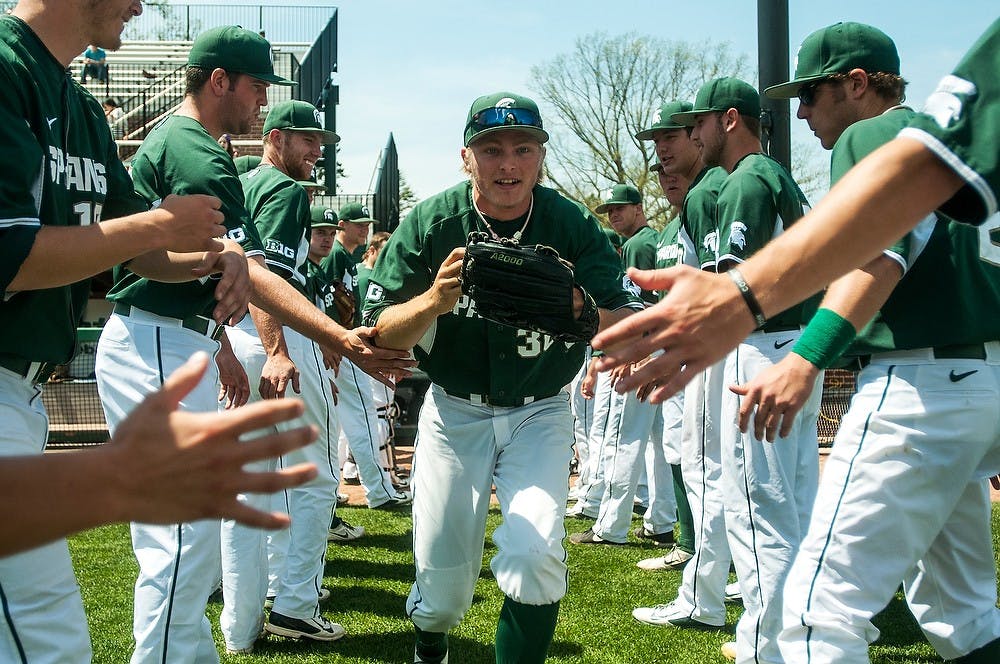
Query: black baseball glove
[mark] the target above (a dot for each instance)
(527, 287)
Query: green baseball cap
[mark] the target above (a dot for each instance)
(662, 121)
(237, 50)
(293, 115)
(355, 213)
(720, 95)
(321, 215)
(620, 194)
(503, 110)
(838, 49)
(246, 162)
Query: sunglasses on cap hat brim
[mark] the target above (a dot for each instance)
(491, 118)
(807, 91)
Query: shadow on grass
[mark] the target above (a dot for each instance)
(391, 647)
(352, 568)
(897, 625)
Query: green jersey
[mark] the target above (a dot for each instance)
(61, 169)
(469, 355)
(361, 287)
(673, 247)
(961, 125)
(639, 251)
(279, 207)
(318, 287)
(698, 216)
(757, 202)
(180, 157)
(341, 266)
(947, 295)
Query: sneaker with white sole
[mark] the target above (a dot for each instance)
(659, 539)
(675, 560)
(420, 659)
(669, 615)
(317, 629)
(588, 536)
(733, 593)
(341, 531)
(728, 650)
(401, 499)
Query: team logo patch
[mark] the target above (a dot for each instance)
(375, 293)
(328, 215)
(711, 242)
(737, 235)
(318, 117)
(364, 211)
(608, 195)
(506, 102)
(944, 104)
(656, 116)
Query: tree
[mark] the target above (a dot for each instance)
(407, 197)
(165, 24)
(602, 93)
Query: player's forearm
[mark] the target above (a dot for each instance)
(609, 317)
(166, 266)
(269, 329)
(858, 295)
(49, 489)
(874, 204)
(290, 307)
(63, 255)
(401, 326)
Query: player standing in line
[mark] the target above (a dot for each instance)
(700, 600)
(496, 412)
(359, 415)
(157, 324)
(942, 160)
(849, 88)
(637, 423)
(767, 490)
(66, 178)
(274, 357)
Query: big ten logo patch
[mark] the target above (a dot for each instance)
(272, 246)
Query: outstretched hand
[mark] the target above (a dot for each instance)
(383, 364)
(173, 466)
(775, 396)
(698, 322)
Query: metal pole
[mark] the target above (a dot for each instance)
(331, 98)
(772, 62)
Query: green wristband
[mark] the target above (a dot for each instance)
(825, 338)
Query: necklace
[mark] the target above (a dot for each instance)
(517, 236)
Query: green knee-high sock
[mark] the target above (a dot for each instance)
(988, 654)
(684, 518)
(525, 632)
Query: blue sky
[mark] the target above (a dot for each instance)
(412, 68)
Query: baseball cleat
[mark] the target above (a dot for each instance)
(341, 531)
(423, 659)
(317, 629)
(675, 560)
(578, 513)
(590, 537)
(659, 539)
(728, 650)
(733, 594)
(401, 499)
(667, 615)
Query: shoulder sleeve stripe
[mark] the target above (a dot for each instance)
(20, 221)
(954, 162)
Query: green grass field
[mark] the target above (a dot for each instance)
(370, 579)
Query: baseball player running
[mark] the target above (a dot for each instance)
(62, 177)
(359, 414)
(158, 323)
(624, 446)
(767, 490)
(700, 597)
(496, 412)
(274, 357)
(873, 488)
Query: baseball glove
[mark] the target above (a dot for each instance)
(344, 301)
(527, 287)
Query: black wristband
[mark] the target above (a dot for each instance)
(752, 304)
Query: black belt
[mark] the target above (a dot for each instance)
(199, 324)
(960, 352)
(485, 400)
(22, 368)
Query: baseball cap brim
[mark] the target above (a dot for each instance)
(603, 207)
(647, 134)
(539, 135)
(274, 79)
(791, 88)
(687, 119)
(327, 137)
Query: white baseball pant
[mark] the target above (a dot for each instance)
(903, 497)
